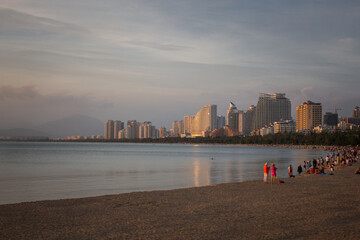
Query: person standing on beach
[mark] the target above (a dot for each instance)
(290, 172)
(273, 173)
(299, 170)
(266, 171)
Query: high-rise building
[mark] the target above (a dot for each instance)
(220, 121)
(272, 108)
(331, 119)
(308, 116)
(147, 130)
(246, 121)
(132, 129)
(204, 121)
(162, 132)
(232, 117)
(109, 130)
(187, 124)
(356, 112)
(177, 128)
(118, 125)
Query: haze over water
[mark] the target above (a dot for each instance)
(31, 171)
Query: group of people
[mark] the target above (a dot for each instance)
(273, 172)
(342, 156)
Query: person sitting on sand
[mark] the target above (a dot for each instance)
(266, 171)
(273, 173)
(357, 171)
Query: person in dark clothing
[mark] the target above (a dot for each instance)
(299, 170)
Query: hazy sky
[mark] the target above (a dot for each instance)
(161, 60)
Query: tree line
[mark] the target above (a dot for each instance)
(322, 139)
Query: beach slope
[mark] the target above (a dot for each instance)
(309, 207)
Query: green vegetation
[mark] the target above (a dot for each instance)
(321, 139)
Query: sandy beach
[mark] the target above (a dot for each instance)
(307, 207)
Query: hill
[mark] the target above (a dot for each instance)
(75, 125)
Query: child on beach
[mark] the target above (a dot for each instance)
(273, 173)
(266, 171)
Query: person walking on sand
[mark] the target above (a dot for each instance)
(273, 173)
(266, 171)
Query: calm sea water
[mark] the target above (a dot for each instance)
(31, 171)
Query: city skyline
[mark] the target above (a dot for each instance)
(162, 60)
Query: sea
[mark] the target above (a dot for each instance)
(32, 171)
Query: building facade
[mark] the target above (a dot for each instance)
(246, 121)
(331, 119)
(285, 127)
(187, 124)
(232, 114)
(356, 112)
(204, 121)
(308, 116)
(272, 108)
(109, 130)
(118, 125)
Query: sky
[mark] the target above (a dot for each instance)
(161, 60)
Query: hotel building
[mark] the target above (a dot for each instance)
(308, 116)
(204, 121)
(272, 108)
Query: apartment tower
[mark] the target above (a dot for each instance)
(272, 108)
(308, 116)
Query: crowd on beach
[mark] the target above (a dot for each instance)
(338, 156)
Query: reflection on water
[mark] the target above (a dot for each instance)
(38, 171)
(201, 173)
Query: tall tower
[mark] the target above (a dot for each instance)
(232, 117)
(118, 125)
(220, 121)
(356, 112)
(308, 116)
(246, 120)
(272, 108)
(109, 129)
(187, 123)
(205, 121)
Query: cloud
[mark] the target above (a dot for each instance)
(23, 93)
(142, 57)
(307, 92)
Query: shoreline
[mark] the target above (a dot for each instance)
(316, 147)
(314, 207)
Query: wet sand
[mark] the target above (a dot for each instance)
(308, 207)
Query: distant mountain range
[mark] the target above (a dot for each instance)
(75, 125)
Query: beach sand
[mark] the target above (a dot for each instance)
(309, 207)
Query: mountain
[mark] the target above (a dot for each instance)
(22, 132)
(75, 125)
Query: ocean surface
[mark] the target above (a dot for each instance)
(31, 171)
